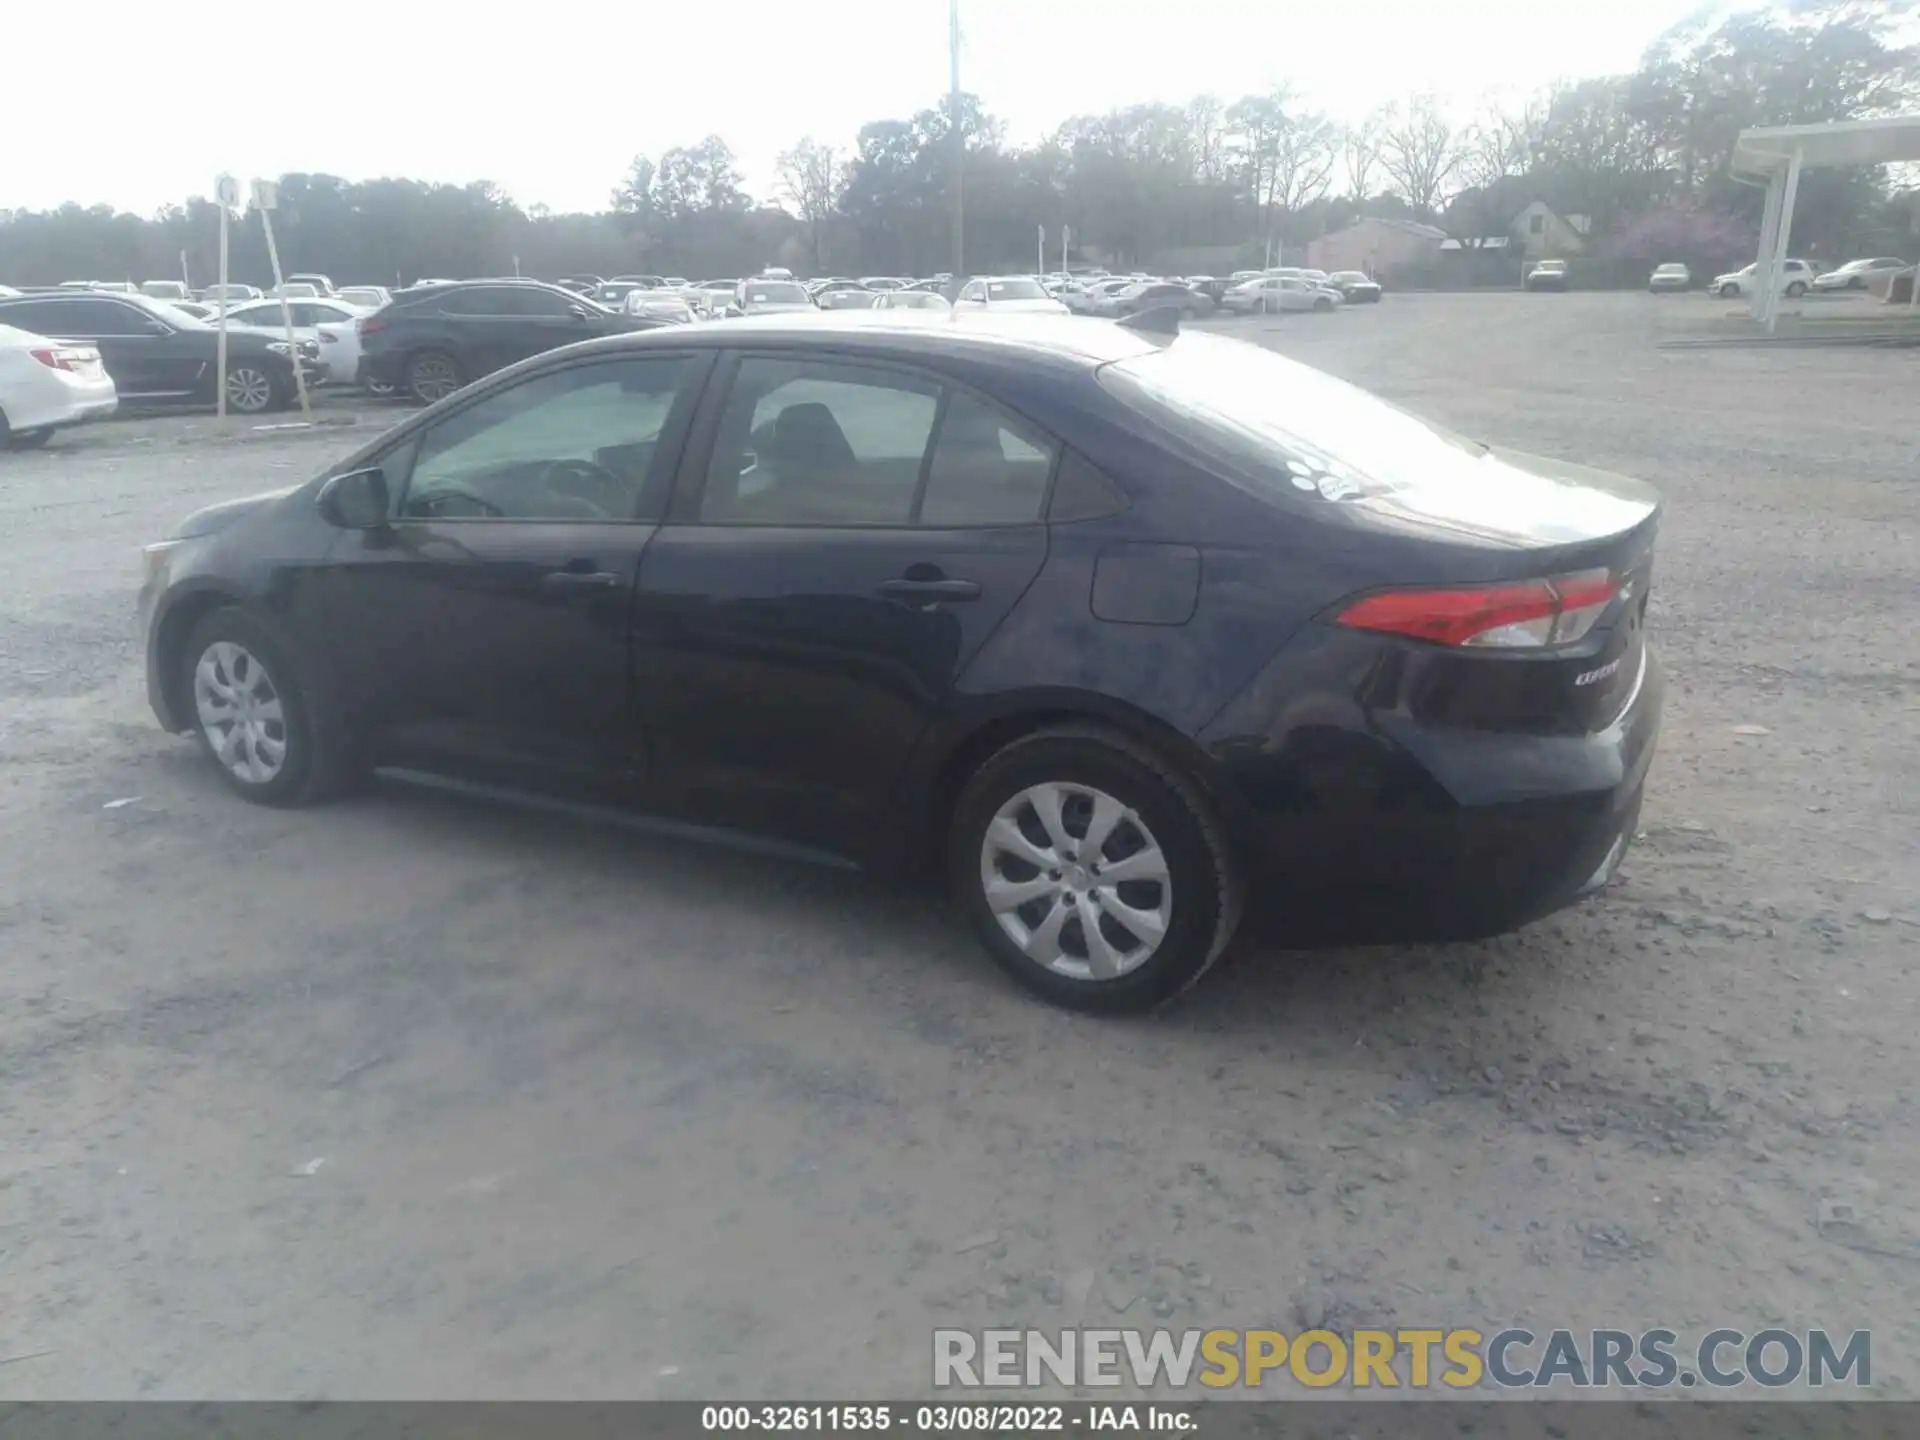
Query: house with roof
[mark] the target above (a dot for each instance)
(1380, 246)
(1541, 233)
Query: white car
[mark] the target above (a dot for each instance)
(46, 384)
(332, 326)
(1796, 278)
(1006, 295)
(367, 297)
(1858, 274)
(1272, 293)
(218, 295)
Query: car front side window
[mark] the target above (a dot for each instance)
(574, 444)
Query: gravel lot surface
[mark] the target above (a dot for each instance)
(407, 1097)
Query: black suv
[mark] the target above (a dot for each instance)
(430, 342)
(157, 354)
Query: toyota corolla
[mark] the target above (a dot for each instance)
(1119, 630)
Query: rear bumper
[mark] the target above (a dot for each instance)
(1403, 836)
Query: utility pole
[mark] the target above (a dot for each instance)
(959, 142)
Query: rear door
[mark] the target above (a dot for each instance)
(488, 329)
(844, 539)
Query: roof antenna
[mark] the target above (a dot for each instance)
(1155, 320)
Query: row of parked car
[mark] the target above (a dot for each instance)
(1796, 278)
(87, 345)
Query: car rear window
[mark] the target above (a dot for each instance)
(1281, 426)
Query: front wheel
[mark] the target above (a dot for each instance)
(432, 375)
(1323, 306)
(1091, 871)
(255, 712)
(1796, 290)
(251, 388)
(1728, 292)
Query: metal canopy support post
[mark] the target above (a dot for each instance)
(1763, 262)
(1783, 236)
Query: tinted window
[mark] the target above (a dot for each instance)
(90, 317)
(986, 469)
(42, 317)
(531, 300)
(775, 292)
(481, 300)
(1081, 492)
(572, 444)
(809, 443)
(1015, 290)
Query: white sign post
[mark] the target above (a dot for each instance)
(266, 197)
(1066, 239)
(1041, 253)
(226, 192)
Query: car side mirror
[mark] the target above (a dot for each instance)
(579, 312)
(357, 500)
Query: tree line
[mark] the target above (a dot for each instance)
(1644, 156)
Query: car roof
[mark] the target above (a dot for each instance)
(907, 333)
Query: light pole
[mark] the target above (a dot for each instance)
(959, 142)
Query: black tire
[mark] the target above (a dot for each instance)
(28, 439)
(1203, 883)
(1796, 290)
(318, 757)
(1729, 292)
(253, 388)
(433, 375)
(1323, 306)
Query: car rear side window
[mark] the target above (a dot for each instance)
(481, 300)
(806, 442)
(531, 300)
(986, 469)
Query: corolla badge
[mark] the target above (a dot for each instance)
(1594, 676)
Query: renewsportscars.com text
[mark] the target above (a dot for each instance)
(1412, 1359)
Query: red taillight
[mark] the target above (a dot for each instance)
(55, 359)
(367, 324)
(1522, 615)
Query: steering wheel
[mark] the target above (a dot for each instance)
(431, 504)
(586, 481)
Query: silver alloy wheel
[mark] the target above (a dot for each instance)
(249, 389)
(432, 377)
(240, 712)
(1077, 881)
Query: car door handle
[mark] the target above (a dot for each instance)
(930, 590)
(580, 580)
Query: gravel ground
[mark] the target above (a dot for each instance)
(405, 1097)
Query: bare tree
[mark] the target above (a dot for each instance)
(1303, 157)
(1360, 150)
(810, 177)
(1499, 144)
(1420, 149)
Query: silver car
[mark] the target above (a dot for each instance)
(1278, 294)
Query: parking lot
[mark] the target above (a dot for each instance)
(406, 1097)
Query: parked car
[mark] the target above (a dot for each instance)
(769, 297)
(846, 297)
(295, 290)
(330, 324)
(613, 294)
(429, 343)
(1007, 293)
(157, 354)
(582, 284)
(1103, 296)
(775, 272)
(912, 300)
(1670, 276)
(366, 297)
(1795, 279)
(1355, 287)
(165, 290)
(321, 284)
(1153, 294)
(199, 309)
(1279, 293)
(1858, 274)
(219, 295)
(665, 306)
(1281, 643)
(46, 385)
(1546, 275)
(882, 282)
(833, 282)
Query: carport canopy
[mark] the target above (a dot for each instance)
(1774, 155)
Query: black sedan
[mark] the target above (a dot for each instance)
(1119, 629)
(429, 342)
(158, 354)
(1356, 286)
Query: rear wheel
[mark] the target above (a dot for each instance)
(1092, 871)
(25, 439)
(1323, 305)
(432, 375)
(1796, 290)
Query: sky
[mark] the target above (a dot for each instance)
(552, 102)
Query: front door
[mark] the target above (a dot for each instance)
(853, 536)
(485, 631)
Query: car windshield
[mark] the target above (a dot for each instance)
(776, 292)
(1551, 265)
(1352, 276)
(1671, 270)
(1015, 290)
